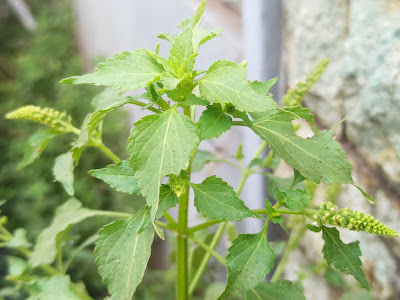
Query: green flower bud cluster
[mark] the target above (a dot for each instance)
(296, 94)
(58, 121)
(352, 220)
(177, 185)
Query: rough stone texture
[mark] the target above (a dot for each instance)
(362, 83)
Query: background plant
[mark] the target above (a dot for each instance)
(165, 145)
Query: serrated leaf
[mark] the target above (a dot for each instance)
(216, 200)
(167, 200)
(249, 260)
(68, 214)
(19, 239)
(122, 253)
(344, 257)
(55, 287)
(125, 71)
(120, 177)
(317, 159)
(263, 87)
(213, 122)
(182, 49)
(279, 290)
(160, 145)
(299, 112)
(63, 171)
(297, 200)
(225, 82)
(35, 146)
(201, 158)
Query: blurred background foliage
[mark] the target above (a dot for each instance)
(31, 66)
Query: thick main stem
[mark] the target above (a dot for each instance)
(182, 261)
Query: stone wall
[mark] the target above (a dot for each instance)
(361, 84)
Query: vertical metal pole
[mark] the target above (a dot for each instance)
(262, 34)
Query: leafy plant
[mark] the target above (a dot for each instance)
(164, 145)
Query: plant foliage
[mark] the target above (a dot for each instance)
(163, 146)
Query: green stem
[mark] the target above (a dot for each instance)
(240, 123)
(206, 258)
(209, 249)
(108, 152)
(182, 257)
(169, 218)
(138, 103)
(203, 226)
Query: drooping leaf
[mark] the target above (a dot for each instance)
(120, 177)
(160, 145)
(63, 171)
(201, 158)
(317, 159)
(249, 260)
(201, 36)
(125, 71)
(279, 290)
(19, 239)
(122, 253)
(213, 122)
(216, 200)
(344, 257)
(68, 214)
(276, 219)
(263, 87)
(104, 103)
(366, 195)
(55, 287)
(297, 200)
(167, 200)
(35, 146)
(225, 82)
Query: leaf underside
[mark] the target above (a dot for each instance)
(279, 290)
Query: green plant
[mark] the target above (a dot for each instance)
(164, 145)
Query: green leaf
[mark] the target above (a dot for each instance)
(201, 36)
(183, 89)
(366, 195)
(317, 159)
(125, 71)
(168, 37)
(279, 290)
(19, 239)
(201, 158)
(299, 112)
(213, 122)
(63, 171)
(160, 145)
(344, 257)
(122, 253)
(249, 260)
(16, 265)
(104, 103)
(216, 200)
(225, 82)
(182, 49)
(193, 100)
(263, 87)
(297, 200)
(35, 146)
(68, 214)
(335, 278)
(313, 228)
(55, 287)
(275, 219)
(120, 177)
(167, 200)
